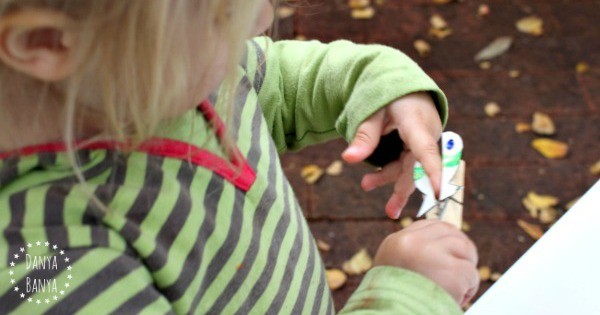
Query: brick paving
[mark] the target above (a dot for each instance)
(502, 167)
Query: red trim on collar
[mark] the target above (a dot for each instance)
(242, 179)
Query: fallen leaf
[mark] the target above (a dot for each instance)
(406, 221)
(531, 25)
(335, 278)
(582, 67)
(379, 2)
(335, 169)
(542, 124)
(323, 246)
(595, 168)
(494, 49)
(484, 273)
(485, 65)
(438, 22)
(363, 14)
(300, 37)
(465, 227)
(440, 33)
(483, 10)
(492, 109)
(542, 201)
(358, 4)
(284, 12)
(522, 127)
(550, 149)
(441, 1)
(359, 263)
(495, 276)
(533, 230)
(311, 173)
(548, 215)
(514, 73)
(422, 47)
(532, 208)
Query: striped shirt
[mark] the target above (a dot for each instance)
(186, 233)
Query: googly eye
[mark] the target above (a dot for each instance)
(450, 144)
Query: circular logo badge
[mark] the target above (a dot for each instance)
(47, 274)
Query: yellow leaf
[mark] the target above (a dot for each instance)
(422, 47)
(492, 109)
(548, 215)
(522, 127)
(542, 201)
(359, 263)
(550, 149)
(311, 173)
(465, 227)
(358, 4)
(406, 221)
(531, 25)
(542, 124)
(440, 33)
(323, 246)
(441, 1)
(483, 10)
(533, 230)
(485, 65)
(495, 276)
(582, 67)
(335, 278)
(484, 273)
(533, 209)
(595, 168)
(363, 14)
(438, 22)
(335, 168)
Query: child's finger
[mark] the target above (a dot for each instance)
(366, 139)
(403, 188)
(425, 149)
(388, 174)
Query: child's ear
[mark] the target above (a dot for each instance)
(38, 43)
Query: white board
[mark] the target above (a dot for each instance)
(559, 274)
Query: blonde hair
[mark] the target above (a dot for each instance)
(134, 61)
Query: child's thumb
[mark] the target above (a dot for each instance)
(366, 139)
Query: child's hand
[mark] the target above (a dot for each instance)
(418, 123)
(437, 250)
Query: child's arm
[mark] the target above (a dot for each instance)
(312, 92)
(427, 268)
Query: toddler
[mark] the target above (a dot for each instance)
(139, 168)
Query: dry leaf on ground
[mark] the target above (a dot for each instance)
(441, 1)
(494, 49)
(323, 246)
(514, 73)
(406, 221)
(363, 14)
(542, 201)
(465, 227)
(335, 278)
(359, 263)
(522, 127)
(531, 25)
(358, 4)
(422, 47)
(595, 168)
(542, 124)
(485, 65)
(533, 230)
(495, 276)
(551, 149)
(484, 273)
(533, 209)
(548, 215)
(335, 168)
(284, 12)
(311, 173)
(483, 10)
(439, 27)
(492, 109)
(582, 67)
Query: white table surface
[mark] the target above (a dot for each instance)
(559, 274)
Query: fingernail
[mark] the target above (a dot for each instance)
(397, 214)
(350, 150)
